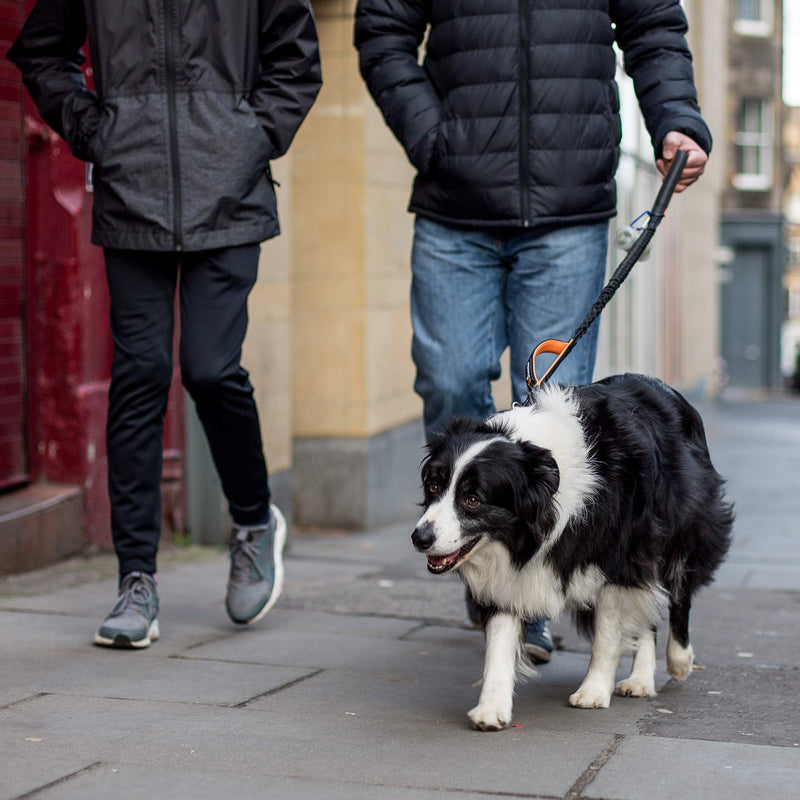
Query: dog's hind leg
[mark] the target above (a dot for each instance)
(641, 682)
(503, 642)
(680, 655)
(596, 688)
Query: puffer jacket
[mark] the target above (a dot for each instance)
(192, 100)
(513, 117)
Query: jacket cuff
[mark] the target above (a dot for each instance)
(82, 119)
(690, 126)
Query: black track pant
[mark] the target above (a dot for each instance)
(213, 289)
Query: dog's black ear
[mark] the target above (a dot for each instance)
(451, 439)
(457, 426)
(460, 426)
(535, 503)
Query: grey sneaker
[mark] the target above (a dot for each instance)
(256, 577)
(133, 622)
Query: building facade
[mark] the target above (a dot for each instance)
(790, 339)
(751, 222)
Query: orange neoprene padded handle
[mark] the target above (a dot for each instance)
(554, 347)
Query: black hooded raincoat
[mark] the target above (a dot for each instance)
(192, 100)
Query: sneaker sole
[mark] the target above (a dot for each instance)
(537, 654)
(278, 544)
(123, 642)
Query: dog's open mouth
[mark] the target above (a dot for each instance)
(440, 564)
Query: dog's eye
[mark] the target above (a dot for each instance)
(472, 501)
(433, 488)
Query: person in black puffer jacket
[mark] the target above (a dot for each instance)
(512, 123)
(192, 100)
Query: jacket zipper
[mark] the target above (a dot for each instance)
(170, 26)
(524, 111)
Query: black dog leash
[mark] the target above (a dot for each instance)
(562, 349)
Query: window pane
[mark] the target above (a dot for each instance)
(748, 9)
(749, 160)
(753, 142)
(750, 117)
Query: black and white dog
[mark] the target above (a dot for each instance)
(601, 499)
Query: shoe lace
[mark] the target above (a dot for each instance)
(135, 595)
(244, 559)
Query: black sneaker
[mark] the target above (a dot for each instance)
(256, 576)
(538, 641)
(133, 622)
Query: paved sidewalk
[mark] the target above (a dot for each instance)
(357, 684)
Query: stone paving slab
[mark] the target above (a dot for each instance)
(307, 639)
(394, 545)
(746, 627)
(118, 676)
(291, 649)
(753, 524)
(436, 694)
(647, 768)
(124, 782)
(745, 705)
(751, 574)
(381, 593)
(729, 626)
(53, 736)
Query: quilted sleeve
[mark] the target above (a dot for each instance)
(388, 36)
(651, 35)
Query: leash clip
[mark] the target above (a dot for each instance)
(625, 238)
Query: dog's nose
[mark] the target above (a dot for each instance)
(423, 536)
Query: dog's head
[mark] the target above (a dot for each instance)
(481, 486)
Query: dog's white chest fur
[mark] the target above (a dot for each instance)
(533, 591)
(536, 589)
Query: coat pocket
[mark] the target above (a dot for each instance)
(98, 141)
(249, 123)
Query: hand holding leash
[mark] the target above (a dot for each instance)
(673, 142)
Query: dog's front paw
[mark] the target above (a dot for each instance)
(590, 697)
(631, 687)
(486, 717)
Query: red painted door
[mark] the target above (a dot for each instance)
(13, 444)
(54, 315)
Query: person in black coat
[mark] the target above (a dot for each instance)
(192, 101)
(512, 123)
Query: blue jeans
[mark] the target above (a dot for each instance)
(476, 292)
